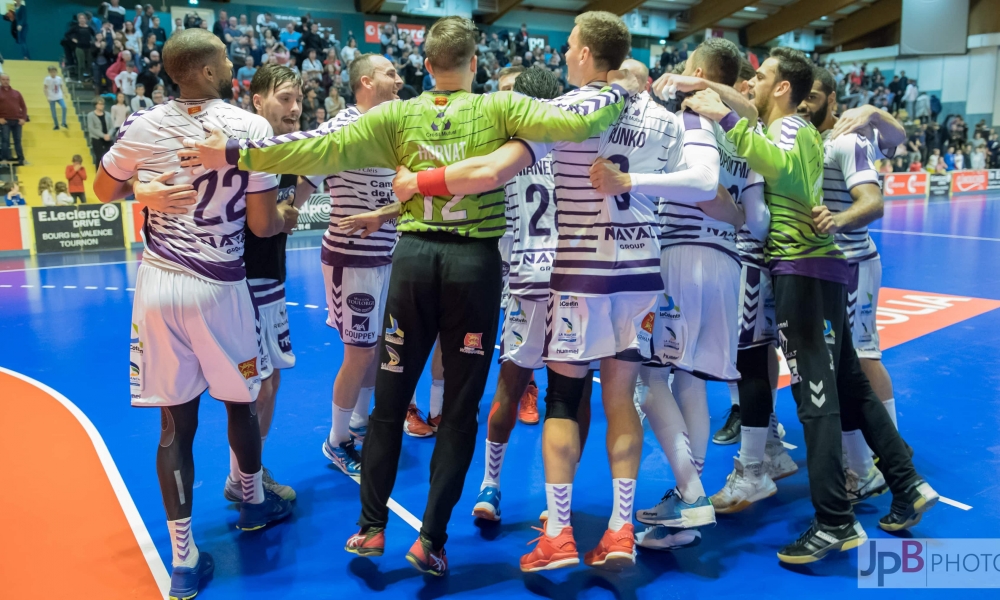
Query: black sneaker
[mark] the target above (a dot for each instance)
(820, 540)
(907, 510)
(730, 432)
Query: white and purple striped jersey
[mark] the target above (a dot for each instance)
(849, 161)
(749, 248)
(351, 193)
(208, 240)
(531, 215)
(609, 245)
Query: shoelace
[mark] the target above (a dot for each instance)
(267, 478)
(671, 492)
(541, 534)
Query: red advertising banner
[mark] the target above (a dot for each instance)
(373, 29)
(905, 184)
(969, 181)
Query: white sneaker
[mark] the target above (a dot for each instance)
(667, 538)
(778, 463)
(860, 489)
(744, 486)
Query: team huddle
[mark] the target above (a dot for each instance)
(663, 247)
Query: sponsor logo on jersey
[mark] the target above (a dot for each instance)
(361, 303)
(393, 334)
(568, 302)
(831, 338)
(517, 314)
(866, 309)
(633, 237)
(671, 343)
(518, 339)
(793, 369)
(505, 269)
(473, 344)
(284, 341)
(393, 365)
(566, 333)
(248, 368)
(647, 322)
(359, 323)
(671, 310)
(541, 259)
(447, 153)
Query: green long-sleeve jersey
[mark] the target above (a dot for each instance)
(789, 155)
(435, 129)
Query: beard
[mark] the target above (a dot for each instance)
(225, 88)
(817, 118)
(385, 92)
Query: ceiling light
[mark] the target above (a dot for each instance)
(751, 8)
(663, 42)
(822, 18)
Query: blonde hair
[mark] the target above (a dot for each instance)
(451, 43)
(44, 185)
(607, 37)
(61, 187)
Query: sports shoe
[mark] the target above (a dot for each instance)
(358, 434)
(615, 551)
(415, 425)
(820, 540)
(434, 422)
(423, 557)
(185, 581)
(488, 504)
(673, 511)
(345, 457)
(778, 463)
(257, 516)
(527, 411)
(744, 486)
(860, 489)
(551, 552)
(730, 432)
(370, 542)
(658, 537)
(907, 510)
(234, 491)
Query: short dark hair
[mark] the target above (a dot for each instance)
(720, 59)
(508, 70)
(795, 68)
(537, 83)
(362, 66)
(451, 43)
(271, 76)
(606, 35)
(187, 51)
(747, 72)
(825, 79)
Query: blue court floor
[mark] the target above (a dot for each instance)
(64, 321)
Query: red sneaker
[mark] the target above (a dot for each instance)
(367, 543)
(415, 425)
(423, 557)
(528, 410)
(551, 552)
(615, 551)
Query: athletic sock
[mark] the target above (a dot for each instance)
(624, 496)
(494, 462)
(859, 456)
(340, 431)
(734, 393)
(437, 397)
(668, 426)
(890, 407)
(558, 499)
(692, 399)
(753, 441)
(772, 430)
(234, 467)
(182, 543)
(363, 408)
(253, 486)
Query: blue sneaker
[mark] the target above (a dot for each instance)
(488, 504)
(185, 581)
(358, 434)
(673, 511)
(257, 516)
(345, 457)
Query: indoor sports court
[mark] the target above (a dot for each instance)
(86, 504)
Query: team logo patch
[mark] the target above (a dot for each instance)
(440, 101)
(505, 268)
(393, 365)
(361, 303)
(831, 338)
(518, 338)
(567, 334)
(393, 334)
(473, 344)
(193, 110)
(248, 368)
(647, 323)
(359, 323)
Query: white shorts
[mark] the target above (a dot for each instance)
(581, 329)
(189, 334)
(757, 324)
(275, 339)
(696, 323)
(862, 300)
(522, 338)
(506, 242)
(355, 298)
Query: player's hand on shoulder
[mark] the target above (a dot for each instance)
(608, 179)
(669, 83)
(707, 103)
(291, 216)
(404, 184)
(626, 80)
(823, 220)
(367, 222)
(209, 153)
(163, 197)
(855, 120)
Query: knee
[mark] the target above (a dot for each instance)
(562, 398)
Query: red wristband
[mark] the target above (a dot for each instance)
(431, 182)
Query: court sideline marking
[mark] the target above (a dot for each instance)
(940, 235)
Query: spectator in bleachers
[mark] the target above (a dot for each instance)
(309, 105)
(53, 86)
(120, 111)
(910, 98)
(915, 145)
(268, 40)
(116, 15)
(150, 76)
(100, 128)
(312, 67)
(949, 158)
(933, 159)
(219, 28)
(334, 102)
(265, 23)
(82, 38)
(12, 194)
(124, 57)
(246, 73)
(311, 40)
(899, 165)
(896, 89)
(966, 155)
(977, 139)
(521, 40)
(922, 107)
(994, 147)
(46, 192)
(62, 197)
(140, 101)
(13, 115)
(244, 26)
(133, 39)
(157, 32)
(239, 50)
(145, 22)
(290, 38)
(158, 96)
(979, 158)
(232, 30)
(350, 52)
(149, 47)
(126, 81)
(292, 64)
(19, 27)
(178, 25)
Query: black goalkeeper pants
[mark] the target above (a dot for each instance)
(441, 284)
(831, 392)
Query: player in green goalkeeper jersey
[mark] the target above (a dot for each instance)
(810, 276)
(446, 267)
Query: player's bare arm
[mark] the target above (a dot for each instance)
(608, 179)
(865, 118)
(472, 175)
(868, 206)
(668, 83)
(724, 208)
(109, 189)
(266, 217)
(370, 221)
(209, 152)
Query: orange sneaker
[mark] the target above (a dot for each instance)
(551, 552)
(527, 412)
(367, 543)
(433, 422)
(424, 559)
(615, 551)
(415, 425)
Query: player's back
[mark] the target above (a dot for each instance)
(531, 211)
(849, 161)
(207, 241)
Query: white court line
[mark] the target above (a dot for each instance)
(90, 287)
(397, 508)
(5, 285)
(69, 287)
(27, 285)
(955, 503)
(111, 289)
(308, 305)
(941, 235)
(291, 303)
(139, 530)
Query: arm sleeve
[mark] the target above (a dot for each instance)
(260, 182)
(763, 155)
(367, 142)
(855, 154)
(697, 182)
(758, 215)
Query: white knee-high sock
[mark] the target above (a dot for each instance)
(692, 398)
(753, 441)
(667, 423)
(234, 466)
(859, 456)
(185, 552)
(734, 393)
(253, 486)
(558, 498)
(437, 397)
(362, 408)
(340, 431)
(890, 407)
(494, 463)
(772, 430)
(621, 512)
